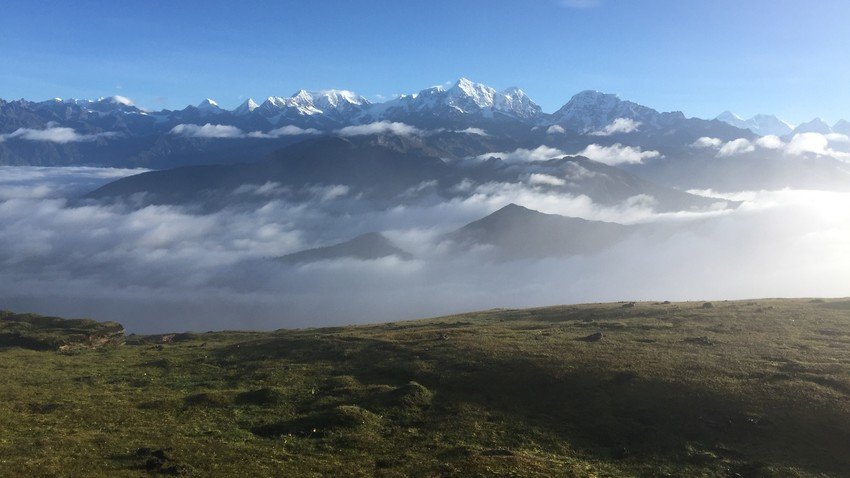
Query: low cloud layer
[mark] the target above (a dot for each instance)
(221, 131)
(617, 154)
(35, 182)
(54, 134)
(169, 268)
(288, 130)
(207, 131)
(802, 144)
(618, 126)
(521, 155)
(381, 127)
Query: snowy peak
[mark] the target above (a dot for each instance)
(245, 108)
(297, 105)
(760, 124)
(464, 90)
(328, 100)
(816, 125)
(515, 101)
(208, 106)
(731, 118)
(339, 105)
(593, 110)
(464, 98)
(770, 125)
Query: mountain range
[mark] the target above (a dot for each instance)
(113, 132)
(380, 171)
(763, 125)
(443, 127)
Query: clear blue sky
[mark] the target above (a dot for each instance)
(786, 57)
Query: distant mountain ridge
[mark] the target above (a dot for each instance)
(466, 102)
(760, 124)
(114, 132)
(385, 171)
(764, 125)
(451, 123)
(369, 246)
(516, 232)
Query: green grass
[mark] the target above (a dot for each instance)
(749, 388)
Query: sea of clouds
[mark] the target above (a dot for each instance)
(169, 268)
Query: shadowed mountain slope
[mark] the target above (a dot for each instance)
(368, 246)
(518, 232)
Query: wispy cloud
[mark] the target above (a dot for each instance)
(545, 180)
(207, 131)
(617, 154)
(707, 142)
(476, 131)
(618, 126)
(540, 153)
(802, 144)
(288, 130)
(381, 127)
(54, 134)
(736, 146)
(222, 131)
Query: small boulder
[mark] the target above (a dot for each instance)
(594, 337)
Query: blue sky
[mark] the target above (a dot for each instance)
(786, 57)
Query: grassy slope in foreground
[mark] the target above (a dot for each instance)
(750, 388)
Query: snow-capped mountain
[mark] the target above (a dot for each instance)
(731, 118)
(245, 108)
(816, 125)
(209, 107)
(770, 125)
(465, 99)
(590, 111)
(109, 104)
(760, 124)
(337, 105)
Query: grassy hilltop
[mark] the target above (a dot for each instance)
(749, 388)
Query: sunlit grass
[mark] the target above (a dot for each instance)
(754, 388)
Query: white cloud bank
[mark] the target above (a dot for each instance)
(221, 131)
(207, 131)
(801, 144)
(164, 268)
(475, 131)
(610, 155)
(381, 127)
(617, 154)
(545, 180)
(521, 155)
(618, 126)
(736, 146)
(54, 134)
(288, 130)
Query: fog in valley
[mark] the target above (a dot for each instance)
(168, 267)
